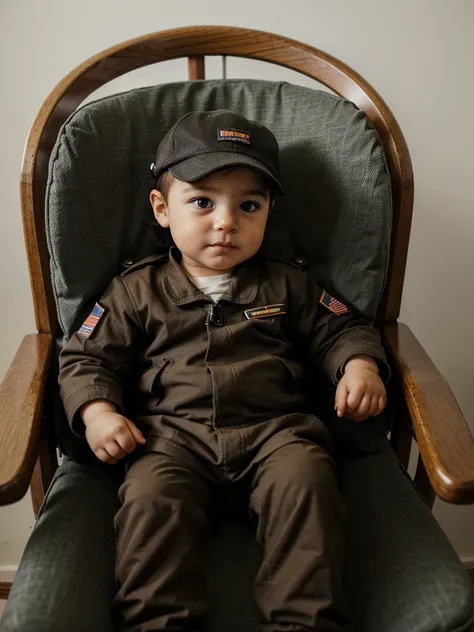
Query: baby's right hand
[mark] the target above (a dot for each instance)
(110, 435)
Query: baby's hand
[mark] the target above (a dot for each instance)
(360, 393)
(111, 436)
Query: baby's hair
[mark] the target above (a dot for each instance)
(163, 235)
(163, 184)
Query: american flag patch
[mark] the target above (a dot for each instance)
(91, 321)
(235, 135)
(332, 304)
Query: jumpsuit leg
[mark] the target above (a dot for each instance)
(300, 527)
(162, 533)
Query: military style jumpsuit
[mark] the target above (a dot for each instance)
(218, 390)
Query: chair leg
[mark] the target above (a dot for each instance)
(402, 435)
(422, 483)
(45, 467)
(401, 440)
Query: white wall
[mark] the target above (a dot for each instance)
(418, 55)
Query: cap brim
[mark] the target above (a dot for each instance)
(199, 167)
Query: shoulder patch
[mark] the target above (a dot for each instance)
(91, 321)
(144, 262)
(332, 304)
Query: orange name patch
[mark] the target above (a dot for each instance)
(234, 135)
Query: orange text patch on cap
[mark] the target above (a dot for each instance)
(91, 321)
(332, 304)
(235, 135)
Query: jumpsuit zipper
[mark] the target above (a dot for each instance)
(214, 317)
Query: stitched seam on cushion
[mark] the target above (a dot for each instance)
(54, 264)
(216, 82)
(46, 496)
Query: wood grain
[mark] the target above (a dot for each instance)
(196, 68)
(21, 412)
(445, 442)
(195, 43)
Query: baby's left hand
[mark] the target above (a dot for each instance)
(360, 393)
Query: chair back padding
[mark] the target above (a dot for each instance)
(336, 213)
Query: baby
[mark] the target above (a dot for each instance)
(192, 367)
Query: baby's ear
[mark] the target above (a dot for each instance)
(160, 208)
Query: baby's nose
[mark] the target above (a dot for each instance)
(224, 219)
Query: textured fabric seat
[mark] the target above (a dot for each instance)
(402, 574)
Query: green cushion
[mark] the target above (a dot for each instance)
(402, 574)
(336, 212)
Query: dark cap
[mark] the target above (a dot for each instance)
(200, 143)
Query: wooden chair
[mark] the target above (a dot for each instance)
(426, 411)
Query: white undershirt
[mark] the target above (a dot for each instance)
(214, 286)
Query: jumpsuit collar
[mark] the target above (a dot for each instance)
(179, 288)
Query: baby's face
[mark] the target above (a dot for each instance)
(217, 222)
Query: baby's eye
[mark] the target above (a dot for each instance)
(249, 206)
(202, 202)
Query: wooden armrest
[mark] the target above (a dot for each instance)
(444, 438)
(21, 415)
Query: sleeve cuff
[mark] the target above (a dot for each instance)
(84, 396)
(340, 360)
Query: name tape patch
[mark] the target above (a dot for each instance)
(235, 135)
(332, 304)
(91, 321)
(266, 311)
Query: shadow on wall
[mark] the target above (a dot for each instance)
(438, 301)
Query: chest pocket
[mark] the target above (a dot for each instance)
(270, 326)
(149, 386)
